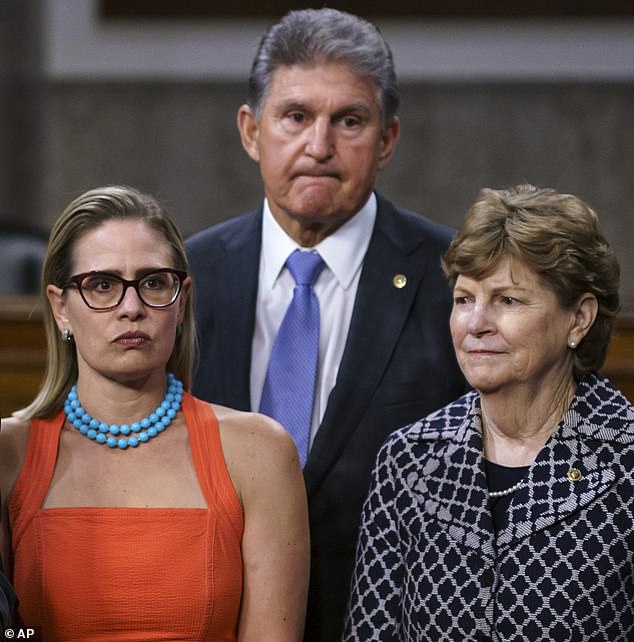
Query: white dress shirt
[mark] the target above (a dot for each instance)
(336, 289)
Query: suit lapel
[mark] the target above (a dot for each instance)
(451, 486)
(380, 312)
(235, 309)
(552, 492)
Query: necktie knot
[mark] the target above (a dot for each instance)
(305, 266)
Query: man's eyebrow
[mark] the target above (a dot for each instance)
(300, 105)
(353, 108)
(290, 103)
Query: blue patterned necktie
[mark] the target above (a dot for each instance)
(289, 386)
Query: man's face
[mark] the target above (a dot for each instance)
(319, 141)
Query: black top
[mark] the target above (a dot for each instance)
(500, 478)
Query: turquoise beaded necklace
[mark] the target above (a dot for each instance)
(143, 430)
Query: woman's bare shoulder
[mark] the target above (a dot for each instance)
(14, 432)
(251, 429)
(14, 438)
(254, 446)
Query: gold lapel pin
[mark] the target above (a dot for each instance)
(399, 281)
(574, 475)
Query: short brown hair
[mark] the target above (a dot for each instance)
(557, 236)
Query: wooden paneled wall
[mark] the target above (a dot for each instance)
(619, 366)
(23, 354)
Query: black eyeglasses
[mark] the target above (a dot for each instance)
(105, 291)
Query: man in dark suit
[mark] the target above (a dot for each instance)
(321, 122)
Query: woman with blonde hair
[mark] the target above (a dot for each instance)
(135, 511)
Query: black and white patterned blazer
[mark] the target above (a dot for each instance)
(430, 567)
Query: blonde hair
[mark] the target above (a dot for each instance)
(87, 212)
(557, 236)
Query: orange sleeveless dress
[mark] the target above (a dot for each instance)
(129, 574)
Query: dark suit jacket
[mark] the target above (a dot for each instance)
(398, 365)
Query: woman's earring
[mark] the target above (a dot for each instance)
(67, 335)
(572, 344)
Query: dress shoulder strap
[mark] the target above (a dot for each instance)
(37, 472)
(209, 461)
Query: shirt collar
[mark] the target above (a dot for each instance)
(342, 251)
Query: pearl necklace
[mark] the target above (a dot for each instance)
(144, 429)
(507, 491)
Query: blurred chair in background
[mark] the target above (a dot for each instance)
(21, 253)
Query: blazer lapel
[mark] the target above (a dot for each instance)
(567, 475)
(451, 486)
(380, 312)
(235, 309)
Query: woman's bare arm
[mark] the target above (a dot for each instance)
(264, 467)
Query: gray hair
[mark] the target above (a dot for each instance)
(314, 36)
